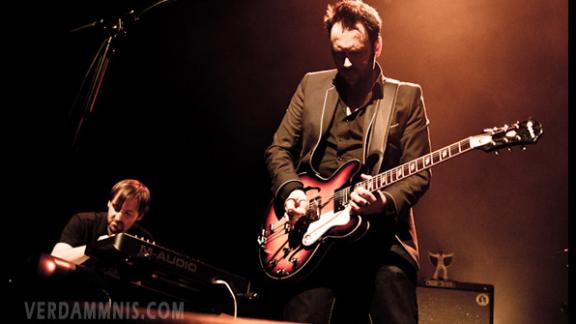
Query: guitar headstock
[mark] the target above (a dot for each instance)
(519, 133)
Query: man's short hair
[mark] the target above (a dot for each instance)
(128, 189)
(350, 12)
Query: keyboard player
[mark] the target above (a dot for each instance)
(128, 204)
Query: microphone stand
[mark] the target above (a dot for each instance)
(116, 29)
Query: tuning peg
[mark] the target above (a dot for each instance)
(509, 149)
(523, 147)
(496, 153)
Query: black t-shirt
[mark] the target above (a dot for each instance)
(87, 227)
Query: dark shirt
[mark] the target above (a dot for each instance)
(345, 137)
(344, 140)
(87, 227)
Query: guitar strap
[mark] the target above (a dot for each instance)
(381, 127)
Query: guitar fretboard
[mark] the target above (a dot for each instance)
(385, 179)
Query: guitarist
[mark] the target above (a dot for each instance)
(336, 116)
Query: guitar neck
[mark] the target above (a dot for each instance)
(407, 169)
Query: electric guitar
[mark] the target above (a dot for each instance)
(291, 252)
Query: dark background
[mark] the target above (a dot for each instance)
(196, 89)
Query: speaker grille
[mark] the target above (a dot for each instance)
(450, 302)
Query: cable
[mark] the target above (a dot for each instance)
(223, 282)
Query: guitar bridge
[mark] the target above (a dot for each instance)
(340, 200)
(314, 208)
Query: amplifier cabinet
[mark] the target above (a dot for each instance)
(452, 302)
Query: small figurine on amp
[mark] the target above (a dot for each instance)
(441, 261)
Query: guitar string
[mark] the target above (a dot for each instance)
(289, 256)
(295, 251)
(276, 235)
(273, 256)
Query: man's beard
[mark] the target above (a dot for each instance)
(354, 77)
(114, 228)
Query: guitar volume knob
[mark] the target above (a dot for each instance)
(281, 272)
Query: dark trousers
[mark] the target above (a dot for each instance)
(356, 288)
